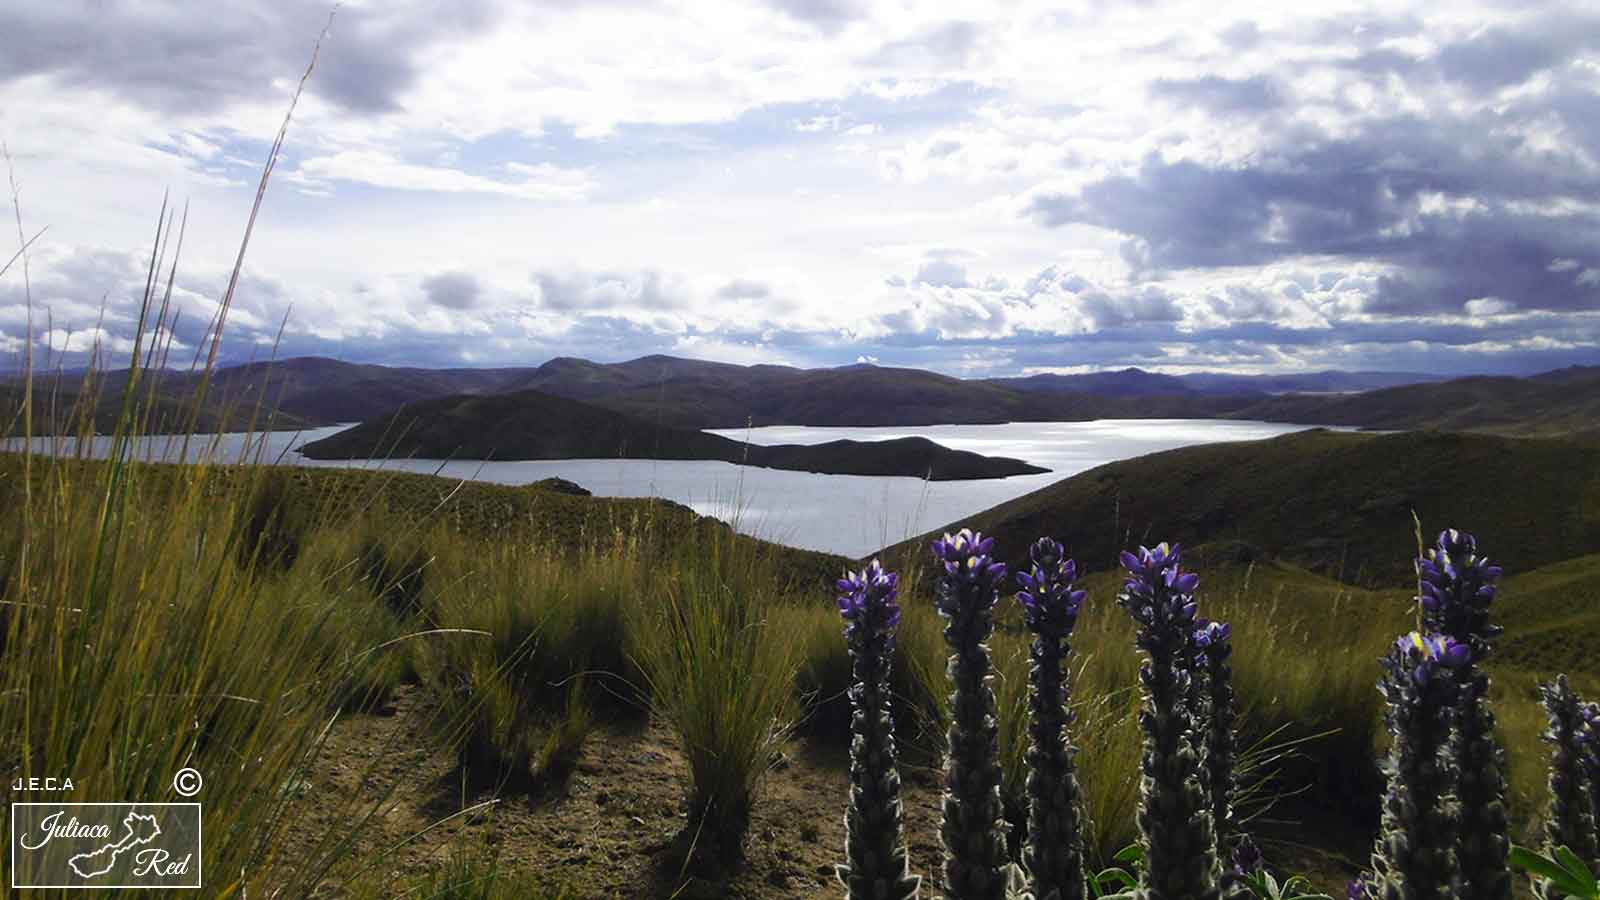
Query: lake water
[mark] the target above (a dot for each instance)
(848, 514)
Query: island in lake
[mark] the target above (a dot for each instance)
(533, 425)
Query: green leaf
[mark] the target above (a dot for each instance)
(1580, 872)
(1133, 853)
(1551, 871)
(1116, 877)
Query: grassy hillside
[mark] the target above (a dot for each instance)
(1563, 403)
(535, 425)
(1335, 503)
(524, 630)
(551, 513)
(1552, 618)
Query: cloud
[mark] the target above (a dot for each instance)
(177, 61)
(945, 44)
(1256, 94)
(827, 15)
(1502, 57)
(821, 180)
(742, 289)
(1456, 209)
(817, 123)
(452, 290)
(941, 273)
(643, 291)
(529, 182)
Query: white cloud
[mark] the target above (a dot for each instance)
(530, 182)
(1488, 306)
(716, 173)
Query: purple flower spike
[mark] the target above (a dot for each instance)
(1049, 604)
(1154, 576)
(1053, 855)
(1208, 633)
(874, 835)
(867, 600)
(1176, 831)
(1423, 655)
(1455, 588)
(972, 829)
(966, 558)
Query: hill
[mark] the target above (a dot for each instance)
(59, 409)
(694, 394)
(536, 425)
(686, 393)
(1134, 382)
(1565, 402)
(1330, 381)
(1125, 383)
(1334, 503)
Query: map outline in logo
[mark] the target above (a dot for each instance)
(136, 829)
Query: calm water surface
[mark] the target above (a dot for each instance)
(848, 514)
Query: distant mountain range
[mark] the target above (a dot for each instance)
(535, 425)
(668, 391)
(1139, 383)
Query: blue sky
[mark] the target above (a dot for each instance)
(979, 189)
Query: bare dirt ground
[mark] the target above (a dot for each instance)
(609, 832)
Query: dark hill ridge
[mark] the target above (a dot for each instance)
(1336, 503)
(1564, 402)
(718, 395)
(1139, 383)
(695, 394)
(1125, 383)
(60, 409)
(534, 425)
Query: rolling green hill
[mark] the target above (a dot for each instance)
(1556, 403)
(1552, 618)
(1335, 503)
(552, 513)
(535, 425)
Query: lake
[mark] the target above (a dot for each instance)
(847, 514)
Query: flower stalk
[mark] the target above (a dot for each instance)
(1180, 850)
(1571, 820)
(1589, 747)
(973, 827)
(1416, 853)
(1212, 655)
(1457, 586)
(1053, 856)
(878, 867)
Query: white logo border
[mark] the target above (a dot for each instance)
(199, 851)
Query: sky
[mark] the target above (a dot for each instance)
(983, 190)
